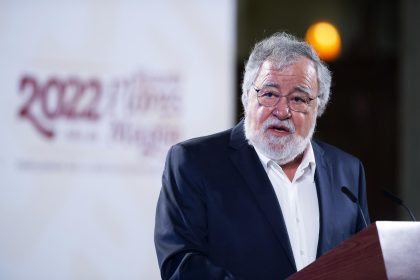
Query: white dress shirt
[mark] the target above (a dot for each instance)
(299, 204)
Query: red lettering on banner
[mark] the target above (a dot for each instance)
(83, 100)
(148, 139)
(140, 110)
(59, 99)
(142, 93)
(26, 112)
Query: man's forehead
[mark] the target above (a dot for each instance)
(273, 79)
(276, 79)
(302, 72)
(302, 64)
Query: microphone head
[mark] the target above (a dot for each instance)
(392, 196)
(399, 201)
(349, 194)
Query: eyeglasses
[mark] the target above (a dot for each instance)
(297, 101)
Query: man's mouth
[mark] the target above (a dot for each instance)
(279, 128)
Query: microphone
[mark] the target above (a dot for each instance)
(398, 201)
(353, 198)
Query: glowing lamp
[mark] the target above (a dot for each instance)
(325, 39)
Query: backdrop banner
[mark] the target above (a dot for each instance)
(93, 93)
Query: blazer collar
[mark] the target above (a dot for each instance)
(249, 166)
(325, 192)
(237, 137)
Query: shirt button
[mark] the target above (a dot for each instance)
(302, 253)
(297, 220)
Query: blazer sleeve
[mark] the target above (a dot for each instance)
(181, 221)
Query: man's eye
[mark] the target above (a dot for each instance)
(269, 94)
(298, 99)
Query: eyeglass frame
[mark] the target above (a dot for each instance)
(307, 101)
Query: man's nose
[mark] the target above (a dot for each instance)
(282, 110)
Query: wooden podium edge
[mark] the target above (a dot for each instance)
(359, 257)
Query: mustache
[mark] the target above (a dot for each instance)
(273, 121)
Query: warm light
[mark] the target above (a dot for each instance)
(325, 39)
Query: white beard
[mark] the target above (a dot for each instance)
(279, 149)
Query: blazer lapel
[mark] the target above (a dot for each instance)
(325, 194)
(248, 164)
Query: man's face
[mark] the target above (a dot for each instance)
(278, 128)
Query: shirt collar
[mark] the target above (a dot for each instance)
(308, 159)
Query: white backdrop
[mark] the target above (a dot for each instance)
(92, 94)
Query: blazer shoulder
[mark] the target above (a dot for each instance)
(332, 152)
(206, 143)
(199, 156)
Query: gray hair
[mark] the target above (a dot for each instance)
(285, 49)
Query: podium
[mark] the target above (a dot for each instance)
(384, 250)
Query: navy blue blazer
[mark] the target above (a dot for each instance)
(218, 216)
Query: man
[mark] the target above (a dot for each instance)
(261, 200)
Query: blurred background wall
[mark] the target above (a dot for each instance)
(93, 93)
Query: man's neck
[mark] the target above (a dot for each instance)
(290, 168)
